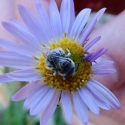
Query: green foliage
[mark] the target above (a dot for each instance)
(16, 115)
(58, 117)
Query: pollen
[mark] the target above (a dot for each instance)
(83, 67)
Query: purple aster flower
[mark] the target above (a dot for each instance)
(53, 57)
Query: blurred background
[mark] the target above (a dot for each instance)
(113, 6)
(12, 113)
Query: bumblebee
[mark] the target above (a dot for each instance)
(60, 63)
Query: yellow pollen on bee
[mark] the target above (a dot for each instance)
(83, 71)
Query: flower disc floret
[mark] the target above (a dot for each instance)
(83, 67)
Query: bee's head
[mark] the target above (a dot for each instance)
(66, 67)
(65, 63)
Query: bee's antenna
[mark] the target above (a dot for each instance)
(43, 45)
(44, 55)
(65, 34)
(35, 58)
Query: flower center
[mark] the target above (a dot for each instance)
(83, 67)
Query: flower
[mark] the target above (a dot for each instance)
(53, 56)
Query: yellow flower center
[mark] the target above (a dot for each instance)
(83, 67)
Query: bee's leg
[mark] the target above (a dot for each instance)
(54, 74)
(68, 53)
(49, 67)
(64, 78)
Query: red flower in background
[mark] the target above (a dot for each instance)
(113, 7)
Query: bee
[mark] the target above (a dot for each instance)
(60, 63)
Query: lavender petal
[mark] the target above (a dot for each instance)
(103, 64)
(55, 19)
(14, 60)
(80, 108)
(25, 91)
(92, 57)
(101, 71)
(32, 24)
(44, 20)
(44, 102)
(23, 36)
(79, 23)
(67, 106)
(87, 30)
(99, 101)
(4, 79)
(88, 46)
(34, 104)
(47, 113)
(15, 47)
(72, 13)
(65, 15)
(19, 24)
(89, 27)
(25, 75)
(34, 95)
(102, 92)
(88, 100)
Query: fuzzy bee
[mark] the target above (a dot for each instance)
(60, 63)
